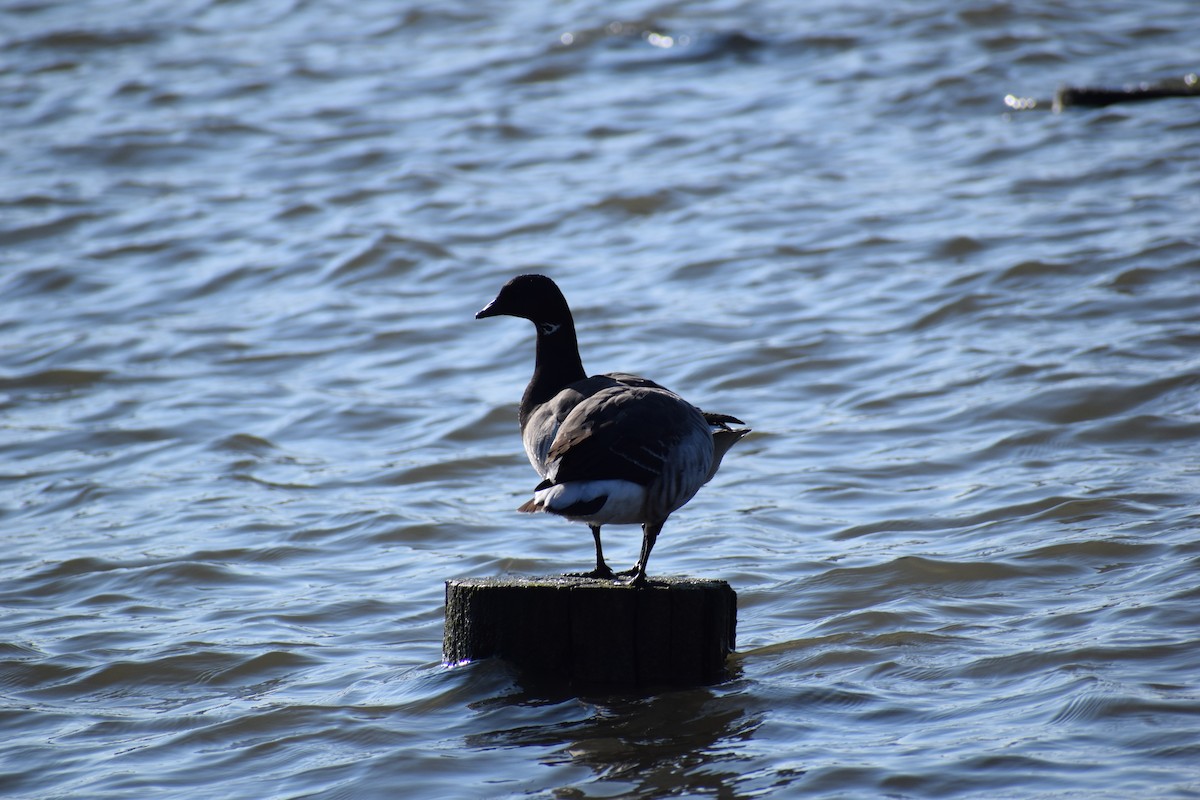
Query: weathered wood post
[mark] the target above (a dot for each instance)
(594, 634)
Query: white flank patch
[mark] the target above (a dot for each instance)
(623, 505)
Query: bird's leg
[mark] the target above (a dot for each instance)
(601, 570)
(649, 536)
(645, 553)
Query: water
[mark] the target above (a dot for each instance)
(249, 425)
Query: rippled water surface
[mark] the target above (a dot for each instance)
(249, 425)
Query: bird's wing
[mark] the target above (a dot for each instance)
(541, 429)
(719, 421)
(631, 433)
(637, 381)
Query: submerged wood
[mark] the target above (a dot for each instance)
(1101, 96)
(594, 634)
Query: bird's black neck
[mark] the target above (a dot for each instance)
(556, 366)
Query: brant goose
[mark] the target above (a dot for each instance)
(612, 449)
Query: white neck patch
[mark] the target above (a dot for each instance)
(548, 327)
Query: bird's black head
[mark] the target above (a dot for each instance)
(532, 297)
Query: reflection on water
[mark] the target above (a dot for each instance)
(683, 743)
(248, 429)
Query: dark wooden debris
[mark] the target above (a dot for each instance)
(1101, 96)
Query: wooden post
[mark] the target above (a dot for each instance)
(594, 634)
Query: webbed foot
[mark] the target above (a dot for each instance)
(638, 581)
(602, 573)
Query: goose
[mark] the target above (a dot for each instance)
(613, 449)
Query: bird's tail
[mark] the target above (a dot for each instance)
(600, 501)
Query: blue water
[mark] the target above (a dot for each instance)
(249, 426)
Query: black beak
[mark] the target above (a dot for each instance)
(499, 307)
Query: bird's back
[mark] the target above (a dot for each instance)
(643, 435)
